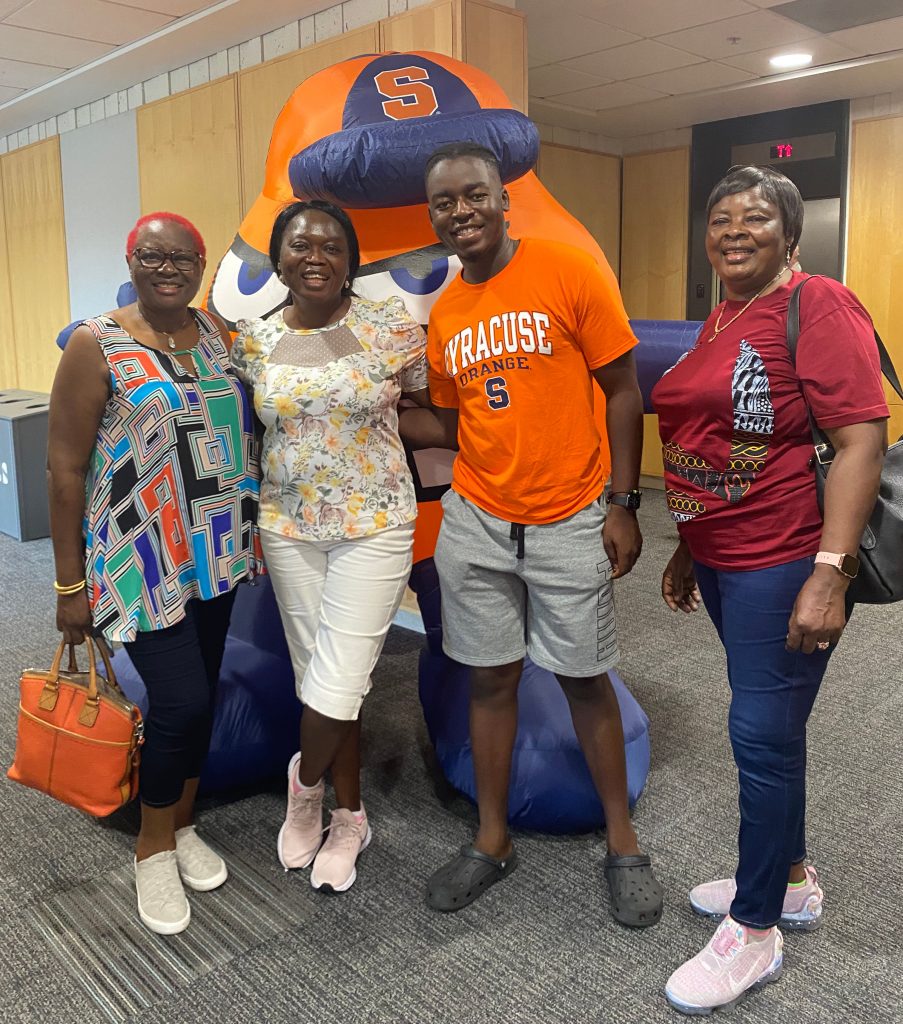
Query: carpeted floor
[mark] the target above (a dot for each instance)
(540, 948)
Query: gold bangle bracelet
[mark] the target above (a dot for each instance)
(73, 588)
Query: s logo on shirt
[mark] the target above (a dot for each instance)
(497, 393)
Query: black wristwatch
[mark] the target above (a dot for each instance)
(629, 499)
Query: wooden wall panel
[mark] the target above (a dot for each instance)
(188, 162)
(654, 237)
(9, 373)
(264, 89)
(435, 28)
(495, 41)
(875, 227)
(36, 250)
(588, 185)
(654, 234)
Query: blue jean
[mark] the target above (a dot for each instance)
(772, 693)
(179, 667)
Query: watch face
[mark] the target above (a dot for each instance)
(849, 566)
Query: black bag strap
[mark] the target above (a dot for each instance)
(793, 334)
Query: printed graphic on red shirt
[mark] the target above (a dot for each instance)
(753, 427)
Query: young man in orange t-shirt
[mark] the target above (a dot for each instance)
(524, 559)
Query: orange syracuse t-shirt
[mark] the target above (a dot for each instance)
(514, 355)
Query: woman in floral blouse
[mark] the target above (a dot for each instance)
(337, 508)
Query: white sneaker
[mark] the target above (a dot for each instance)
(201, 868)
(162, 905)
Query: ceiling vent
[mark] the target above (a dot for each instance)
(836, 15)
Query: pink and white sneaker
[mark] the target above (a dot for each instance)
(802, 909)
(732, 965)
(334, 867)
(302, 831)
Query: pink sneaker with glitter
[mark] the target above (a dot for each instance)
(334, 867)
(732, 965)
(802, 909)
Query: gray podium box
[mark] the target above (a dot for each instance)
(24, 512)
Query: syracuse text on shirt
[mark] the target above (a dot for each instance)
(506, 334)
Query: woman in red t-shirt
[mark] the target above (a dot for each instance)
(754, 548)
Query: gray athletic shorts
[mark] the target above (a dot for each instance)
(555, 603)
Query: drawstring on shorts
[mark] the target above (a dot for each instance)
(517, 533)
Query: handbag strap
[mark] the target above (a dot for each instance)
(793, 334)
(92, 666)
(90, 643)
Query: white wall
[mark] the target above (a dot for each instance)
(101, 203)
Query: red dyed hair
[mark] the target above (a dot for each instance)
(172, 218)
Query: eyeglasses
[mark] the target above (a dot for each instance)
(153, 259)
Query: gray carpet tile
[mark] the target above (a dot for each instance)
(538, 948)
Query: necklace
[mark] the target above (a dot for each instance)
(718, 328)
(166, 334)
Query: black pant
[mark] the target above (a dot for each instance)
(180, 667)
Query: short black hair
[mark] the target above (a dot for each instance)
(288, 213)
(777, 188)
(455, 150)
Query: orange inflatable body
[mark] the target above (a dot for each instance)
(358, 134)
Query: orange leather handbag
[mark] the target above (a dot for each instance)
(79, 738)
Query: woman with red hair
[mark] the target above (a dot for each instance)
(153, 494)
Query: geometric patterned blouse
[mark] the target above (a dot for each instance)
(172, 490)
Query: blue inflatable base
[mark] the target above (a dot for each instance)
(551, 788)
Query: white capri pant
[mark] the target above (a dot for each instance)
(337, 600)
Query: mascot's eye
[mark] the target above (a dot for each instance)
(245, 286)
(419, 277)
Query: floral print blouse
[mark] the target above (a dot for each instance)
(333, 466)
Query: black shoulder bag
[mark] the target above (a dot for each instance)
(880, 578)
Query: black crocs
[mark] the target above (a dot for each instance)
(636, 895)
(465, 877)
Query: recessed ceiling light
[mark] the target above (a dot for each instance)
(791, 60)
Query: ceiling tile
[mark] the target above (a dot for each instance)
(823, 50)
(48, 48)
(550, 112)
(881, 37)
(533, 8)
(642, 58)
(20, 75)
(174, 8)
(654, 18)
(752, 32)
(88, 19)
(555, 39)
(6, 93)
(8, 6)
(554, 78)
(615, 94)
(695, 78)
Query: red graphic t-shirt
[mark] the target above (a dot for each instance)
(735, 434)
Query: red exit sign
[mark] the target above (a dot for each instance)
(782, 151)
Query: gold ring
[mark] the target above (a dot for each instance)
(823, 645)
